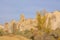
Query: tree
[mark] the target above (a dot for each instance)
(38, 17)
(48, 29)
(41, 21)
(14, 28)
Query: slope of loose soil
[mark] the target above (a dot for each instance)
(13, 38)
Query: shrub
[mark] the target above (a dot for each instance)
(1, 32)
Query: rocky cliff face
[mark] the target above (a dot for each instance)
(55, 19)
(27, 24)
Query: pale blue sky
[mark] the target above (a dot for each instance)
(11, 9)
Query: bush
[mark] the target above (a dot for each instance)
(1, 32)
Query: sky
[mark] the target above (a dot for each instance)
(11, 9)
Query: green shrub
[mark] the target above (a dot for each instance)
(1, 32)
